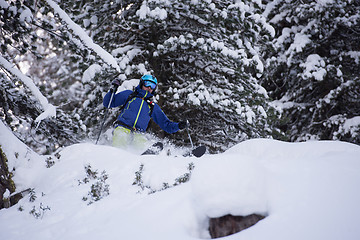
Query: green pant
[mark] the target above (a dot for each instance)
(128, 140)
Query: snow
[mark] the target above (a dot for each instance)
(306, 191)
(350, 125)
(3, 4)
(145, 12)
(355, 55)
(131, 52)
(26, 15)
(352, 122)
(314, 67)
(300, 41)
(90, 73)
(262, 20)
(324, 2)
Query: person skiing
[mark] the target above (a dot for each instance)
(136, 110)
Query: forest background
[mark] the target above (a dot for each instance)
(236, 70)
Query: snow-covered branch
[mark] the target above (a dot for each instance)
(49, 109)
(107, 57)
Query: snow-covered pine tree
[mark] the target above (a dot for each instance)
(212, 66)
(25, 44)
(207, 56)
(314, 68)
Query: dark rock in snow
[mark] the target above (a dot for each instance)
(229, 224)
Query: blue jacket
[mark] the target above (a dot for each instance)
(136, 113)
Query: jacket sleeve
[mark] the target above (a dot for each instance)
(118, 99)
(161, 119)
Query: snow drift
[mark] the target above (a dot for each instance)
(306, 190)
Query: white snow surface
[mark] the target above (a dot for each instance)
(306, 190)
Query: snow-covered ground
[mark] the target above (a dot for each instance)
(307, 191)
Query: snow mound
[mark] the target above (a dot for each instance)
(306, 190)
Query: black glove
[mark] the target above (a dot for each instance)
(183, 125)
(115, 85)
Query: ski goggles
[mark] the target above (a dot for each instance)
(150, 84)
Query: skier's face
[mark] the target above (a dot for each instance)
(149, 89)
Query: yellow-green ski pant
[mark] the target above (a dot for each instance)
(126, 139)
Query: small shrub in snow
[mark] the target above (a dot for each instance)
(186, 177)
(99, 188)
(49, 162)
(179, 180)
(32, 195)
(38, 212)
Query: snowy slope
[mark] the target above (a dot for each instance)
(307, 190)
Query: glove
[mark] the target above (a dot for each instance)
(183, 125)
(115, 85)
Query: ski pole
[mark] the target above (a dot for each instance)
(187, 129)
(105, 116)
(107, 109)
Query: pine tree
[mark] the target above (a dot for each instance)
(23, 44)
(206, 56)
(314, 68)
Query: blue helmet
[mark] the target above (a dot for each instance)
(149, 81)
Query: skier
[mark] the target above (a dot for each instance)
(136, 109)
